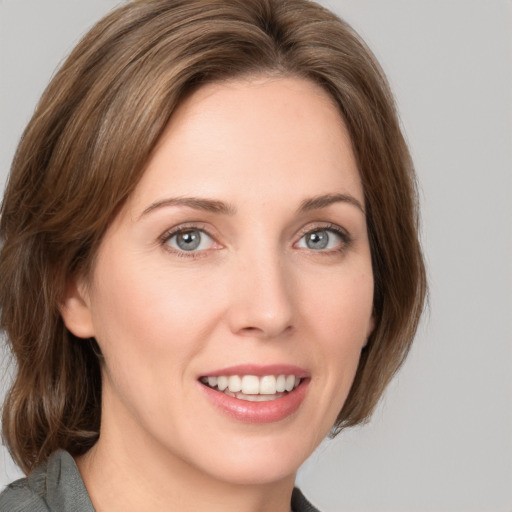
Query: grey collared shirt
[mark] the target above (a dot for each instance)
(56, 486)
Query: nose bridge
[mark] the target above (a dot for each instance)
(262, 303)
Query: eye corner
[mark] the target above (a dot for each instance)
(325, 239)
(188, 240)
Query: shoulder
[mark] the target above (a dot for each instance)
(54, 486)
(300, 503)
(25, 495)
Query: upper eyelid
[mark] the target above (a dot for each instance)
(199, 226)
(328, 226)
(170, 233)
(346, 239)
(207, 229)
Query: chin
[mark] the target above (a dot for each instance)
(256, 470)
(253, 459)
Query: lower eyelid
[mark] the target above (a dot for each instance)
(344, 237)
(166, 237)
(345, 240)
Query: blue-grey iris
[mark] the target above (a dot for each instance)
(188, 240)
(317, 240)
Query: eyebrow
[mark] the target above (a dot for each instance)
(318, 202)
(216, 206)
(197, 203)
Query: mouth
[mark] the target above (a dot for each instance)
(253, 388)
(256, 394)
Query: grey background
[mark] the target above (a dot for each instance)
(441, 439)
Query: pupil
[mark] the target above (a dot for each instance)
(189, 240)
(318, 240)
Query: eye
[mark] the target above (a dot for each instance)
(189, 240)
(323, 239)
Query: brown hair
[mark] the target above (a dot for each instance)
(86, 147)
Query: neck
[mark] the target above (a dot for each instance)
(127, 472)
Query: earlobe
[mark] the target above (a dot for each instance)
(75, 311)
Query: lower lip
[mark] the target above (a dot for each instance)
(258, 412)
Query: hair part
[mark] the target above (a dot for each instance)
(88, 143)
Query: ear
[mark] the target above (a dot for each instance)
(75, 310)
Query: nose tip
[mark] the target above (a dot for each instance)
(266, 328)
(262, 305)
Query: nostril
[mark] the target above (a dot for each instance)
(251, 330)
(264, 333)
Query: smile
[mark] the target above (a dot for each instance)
(251, 387)
(254, 393)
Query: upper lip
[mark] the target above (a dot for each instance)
(259, 370)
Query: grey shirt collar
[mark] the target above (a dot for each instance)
(57, 486)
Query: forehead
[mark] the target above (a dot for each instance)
(267, 138)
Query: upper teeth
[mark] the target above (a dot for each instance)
(253, 385)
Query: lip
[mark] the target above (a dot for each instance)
(259, 370)
(258, 412)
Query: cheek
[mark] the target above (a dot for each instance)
(339, 317)
(341, 305)
(146, 303)
(148, 327)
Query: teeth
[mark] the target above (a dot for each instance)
(222, 383)
(281, 383)
(268, 385)
(251, 387)
(254, 398)
(235, 383)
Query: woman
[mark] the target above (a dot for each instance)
(210, 258)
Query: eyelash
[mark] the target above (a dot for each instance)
(344, 236)
(168, 235)
(164, 239)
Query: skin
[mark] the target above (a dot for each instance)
(254, 292)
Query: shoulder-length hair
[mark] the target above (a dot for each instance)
(86, 147)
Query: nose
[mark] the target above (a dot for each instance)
(262, 299)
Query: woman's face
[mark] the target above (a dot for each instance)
(241, 259)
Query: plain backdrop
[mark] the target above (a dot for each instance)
(441, 439)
